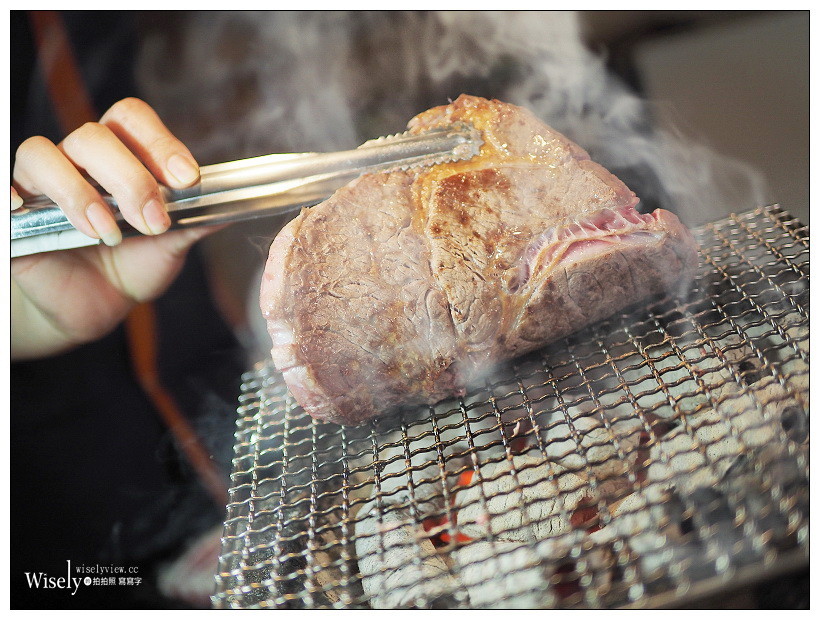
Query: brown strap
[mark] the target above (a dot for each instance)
(141, 330)
(73, 107)
(65, 86)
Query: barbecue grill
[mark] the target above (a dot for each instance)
(656, 456)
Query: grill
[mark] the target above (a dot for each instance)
(656, 456)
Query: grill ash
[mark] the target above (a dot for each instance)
(663, 447)
(677, 423)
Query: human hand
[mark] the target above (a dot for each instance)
(62, 299)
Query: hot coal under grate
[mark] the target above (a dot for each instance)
(656, 456)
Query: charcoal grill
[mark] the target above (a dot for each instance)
(654, 457)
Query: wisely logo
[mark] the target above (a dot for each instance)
(48, 582)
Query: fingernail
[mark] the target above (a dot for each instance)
(103, 223)
(182, 169)
(16, 201)
(156, 217)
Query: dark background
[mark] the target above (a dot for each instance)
(98, 478)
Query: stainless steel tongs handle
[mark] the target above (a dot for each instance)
(255, 187)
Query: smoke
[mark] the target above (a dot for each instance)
(248, 83)
(237, 84)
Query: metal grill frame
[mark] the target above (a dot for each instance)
(290, 531)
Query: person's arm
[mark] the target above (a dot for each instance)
(62, 299)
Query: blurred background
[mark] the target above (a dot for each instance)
(735, 81)
(702, 113)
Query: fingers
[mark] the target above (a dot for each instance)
(40, 167)
(16, 201)
(126, 152)
(136, 124)
(96, 149)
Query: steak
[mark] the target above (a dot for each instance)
(405, 287)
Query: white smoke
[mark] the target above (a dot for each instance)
(235, 84)
(238, 84)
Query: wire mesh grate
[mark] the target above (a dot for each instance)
(657, 455)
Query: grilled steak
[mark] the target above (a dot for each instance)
(404, 287)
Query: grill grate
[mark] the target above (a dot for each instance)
(655, 456)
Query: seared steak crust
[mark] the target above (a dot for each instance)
(403, 287)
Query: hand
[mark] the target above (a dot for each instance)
(62, 299)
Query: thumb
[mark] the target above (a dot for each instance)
(143, 266)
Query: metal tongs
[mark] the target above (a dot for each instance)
(253, 188)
